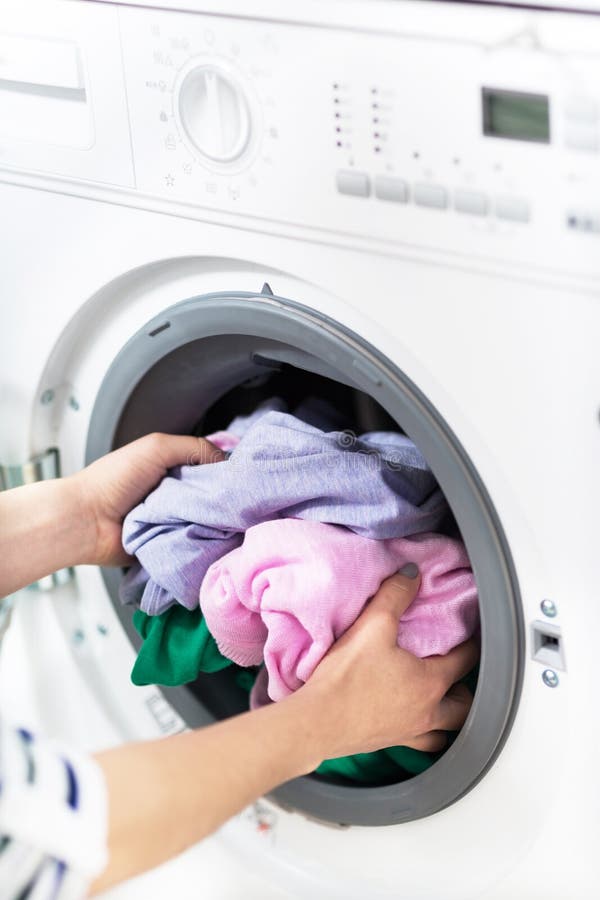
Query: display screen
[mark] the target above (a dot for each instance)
(512, 114)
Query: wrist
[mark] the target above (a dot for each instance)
(309, 724)
(48, 519)
(79, 512)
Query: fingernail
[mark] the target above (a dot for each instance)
(409, 570)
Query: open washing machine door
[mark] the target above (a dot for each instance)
(172, 373)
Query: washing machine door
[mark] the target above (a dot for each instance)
(170, 374)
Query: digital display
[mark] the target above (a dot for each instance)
(515, 115)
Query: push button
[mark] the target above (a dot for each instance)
(473, 202)
(389, 188)
(355, 183)
(433, 195)
(582, 110)
(582, 137)
(515, 209)
(584, 221)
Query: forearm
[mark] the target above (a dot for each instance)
(41, 531)
(168, 794)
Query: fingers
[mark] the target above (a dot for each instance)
(183, 449)
(207, 452)
(396, 594)
(452, 715)
(454, 665)
(432, 742)
(454, 708)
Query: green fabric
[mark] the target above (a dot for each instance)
(177, 646)
(381, 767)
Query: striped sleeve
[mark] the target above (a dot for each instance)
(53, 818)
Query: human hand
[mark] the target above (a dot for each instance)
(367, 693)
(108, 488)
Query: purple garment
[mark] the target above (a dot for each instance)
(240, 425)
(312, 410)
(378, 485)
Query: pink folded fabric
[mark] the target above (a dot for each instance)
(294, 587)
(224, 440)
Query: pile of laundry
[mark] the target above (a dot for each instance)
(266, 558)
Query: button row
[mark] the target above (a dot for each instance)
(582, 137)
(584, 221)
(579, 108)
(433, 196)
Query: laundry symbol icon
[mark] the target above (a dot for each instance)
(187, 168)
(263, 820)
(163, 116)
(169, 180)
(170, 142)
(180, 43)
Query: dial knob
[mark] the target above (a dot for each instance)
(213, 111)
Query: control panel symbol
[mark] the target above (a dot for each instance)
(180, 43)
(270, 44)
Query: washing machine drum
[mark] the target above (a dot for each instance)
(172, 376)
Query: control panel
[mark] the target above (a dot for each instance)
(482, 142)
(485, 146)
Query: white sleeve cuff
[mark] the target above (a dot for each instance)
(53, 799)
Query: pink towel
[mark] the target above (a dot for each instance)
(295, 586)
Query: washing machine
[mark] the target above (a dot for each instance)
(397, 202)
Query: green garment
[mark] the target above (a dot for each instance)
(381, 767)
(177, 647)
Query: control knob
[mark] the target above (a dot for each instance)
(213, 111)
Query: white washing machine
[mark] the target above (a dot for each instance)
(401, 199)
